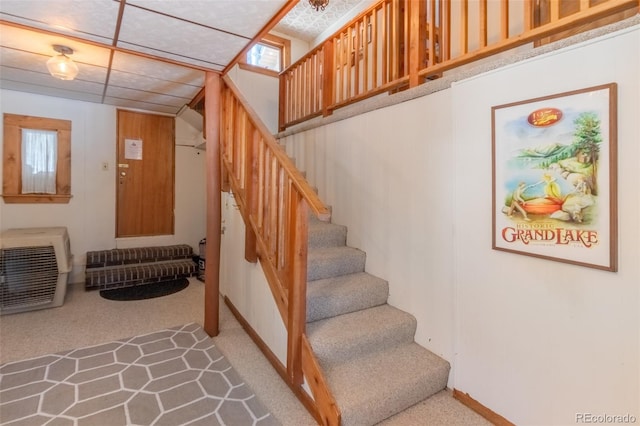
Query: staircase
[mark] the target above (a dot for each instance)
(365, 347)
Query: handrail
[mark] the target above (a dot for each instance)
(397, 44)
(275, 202)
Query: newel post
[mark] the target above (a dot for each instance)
(298, 289)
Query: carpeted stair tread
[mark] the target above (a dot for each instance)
(324, 234)
(343, 294)
(334, 261)
(359, 333)
(372, 388)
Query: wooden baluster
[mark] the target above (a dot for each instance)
(282, 221)
(365, 53)
(356, 58)
(418, 37)
(554, 7)
(385, 43)
(282, 101)
(584, 5)
(261, 185)
(273, 207)
(250, 247)
(445, 30)
(483, 24)
(529, 15)
(395, 39)
(464, 27)
(504, 19)
(374, 48)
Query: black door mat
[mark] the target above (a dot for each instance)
(146, 291)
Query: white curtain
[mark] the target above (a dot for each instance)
(39, 158)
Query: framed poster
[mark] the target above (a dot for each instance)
(555, 177)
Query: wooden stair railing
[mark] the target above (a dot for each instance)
(275, 201)
(396, 44)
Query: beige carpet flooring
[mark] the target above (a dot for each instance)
(87, 319)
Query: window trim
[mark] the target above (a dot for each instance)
(12, 159)
(274, 41)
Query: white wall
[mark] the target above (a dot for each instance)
(537, 341)
(245, 285)
(261, 91)
(540, 341)
(90, 215)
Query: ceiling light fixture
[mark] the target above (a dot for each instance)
(319, 4)
(61, 66)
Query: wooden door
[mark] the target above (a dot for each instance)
(145, 174)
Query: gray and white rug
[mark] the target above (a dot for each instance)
(170, 377)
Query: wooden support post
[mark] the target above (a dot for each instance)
(212, 270)
(298, 289)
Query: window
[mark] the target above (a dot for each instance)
(36, 160)
(269, 56)
(265, 56)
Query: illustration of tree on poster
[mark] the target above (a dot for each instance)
(554, 177)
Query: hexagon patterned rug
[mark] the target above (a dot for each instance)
(171, 377)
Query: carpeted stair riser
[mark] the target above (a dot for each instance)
(322, 235)
(333, 262)
(372, 388)
(347, 293)
(342, 338)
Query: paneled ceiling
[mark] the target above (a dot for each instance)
(143, 54)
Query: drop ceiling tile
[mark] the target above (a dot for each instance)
(91, 20)
(144, 96)
(43, 79)
(31, 42)
(49, 91)
(151, 68)
(146, 84)
(146, 106)
(34, 66)
(241, 17)
(182, 41)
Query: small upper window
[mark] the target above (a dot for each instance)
(269, 56)
(265, 56)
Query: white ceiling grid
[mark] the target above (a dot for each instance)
(158, 58)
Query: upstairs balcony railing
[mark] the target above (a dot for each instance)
(397, 44)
